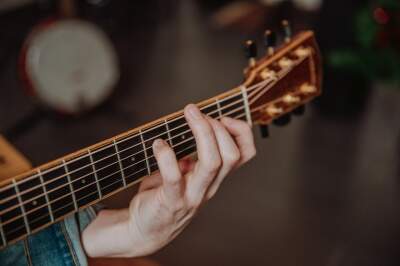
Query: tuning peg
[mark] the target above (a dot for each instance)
(283, 120)
(270, 41)
(250, 49)
(264, 130)
(299, 110)
(287, 30)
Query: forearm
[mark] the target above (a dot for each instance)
(110, 235)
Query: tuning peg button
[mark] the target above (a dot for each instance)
(283, 120)
(270, 41)
(299, 110)
(287, 30)
(250, 49)
(264, 130)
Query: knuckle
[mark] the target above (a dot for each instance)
(213, 165)
(245, 128)
(232, 158)
(195, 203)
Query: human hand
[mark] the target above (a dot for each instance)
(168, 201)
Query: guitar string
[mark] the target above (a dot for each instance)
(79, 178)
(76, 170)
(132, 136)
(260, 86)
(64, 206)
(119, 152)
(71, 203)
(100, 179)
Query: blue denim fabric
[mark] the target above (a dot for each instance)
(58, 244)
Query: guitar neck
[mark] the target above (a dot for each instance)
(51, 192)
(276, 84)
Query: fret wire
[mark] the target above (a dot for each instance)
(22, 207)
(89, 184)
(95, 174)
(119, 162)
(133, 135)
(38, 218)
(119, 141)
(168, 132)
(218, 108)
(246, 104)
(232, 111)
(3, 236)
(46, 196)
(182, 133)
(70, 185)
(181, 115)
(145, 153)
(177, 153)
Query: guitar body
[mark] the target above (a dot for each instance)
(12, 162)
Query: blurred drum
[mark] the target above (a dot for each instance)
(69, 65)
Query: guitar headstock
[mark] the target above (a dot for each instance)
(285, 77)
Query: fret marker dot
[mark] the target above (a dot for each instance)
(183, 137)
(34, 203)
(133, 158)
(83, 181)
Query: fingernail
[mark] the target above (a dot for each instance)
(194, 111)
(158, 144)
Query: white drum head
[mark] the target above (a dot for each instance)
(71, 65)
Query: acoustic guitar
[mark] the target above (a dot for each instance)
(276, 85)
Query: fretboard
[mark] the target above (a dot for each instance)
(49, 194)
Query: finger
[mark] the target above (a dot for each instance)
(243, 135)
(169, 170)
(230, 155)
(209, 160)
(155, 180)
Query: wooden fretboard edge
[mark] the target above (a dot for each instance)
(103, 143)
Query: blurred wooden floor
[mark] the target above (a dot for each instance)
(320, 192)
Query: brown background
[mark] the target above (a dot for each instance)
(322, 191)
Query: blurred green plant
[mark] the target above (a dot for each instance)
(376, 56)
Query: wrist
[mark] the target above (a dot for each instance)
(109, 235)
